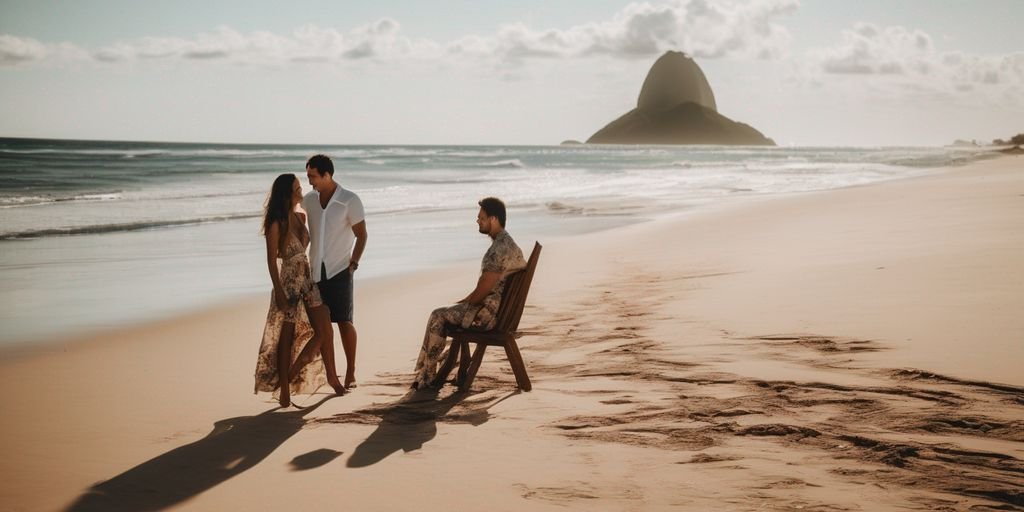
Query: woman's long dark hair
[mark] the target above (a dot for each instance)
(279, 207)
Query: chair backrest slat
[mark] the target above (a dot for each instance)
(513, 298)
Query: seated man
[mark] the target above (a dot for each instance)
(479, 308)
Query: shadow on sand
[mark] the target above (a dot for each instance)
(232, 447)
(411, 422)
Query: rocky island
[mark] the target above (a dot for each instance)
(677, 106)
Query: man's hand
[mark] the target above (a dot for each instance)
(359, 230)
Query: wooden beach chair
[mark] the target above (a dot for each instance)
(513, 300)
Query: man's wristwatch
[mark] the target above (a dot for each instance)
(354, 264)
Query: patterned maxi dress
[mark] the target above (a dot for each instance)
(301, 291)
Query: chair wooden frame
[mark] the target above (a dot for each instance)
(510, 311)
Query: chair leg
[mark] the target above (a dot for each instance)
(463, 363)
(449, 363)
(518, 366)
(478, 357)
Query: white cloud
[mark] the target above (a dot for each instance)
(702, 28)
(381, 39)
(15, 50)
(868, 49)
(909, 57)
(970, 70)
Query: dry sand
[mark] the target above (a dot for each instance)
(857, 349)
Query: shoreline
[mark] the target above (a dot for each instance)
(559, 193)
(749, 355)
(31, 337)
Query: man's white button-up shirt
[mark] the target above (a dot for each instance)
(330, 230)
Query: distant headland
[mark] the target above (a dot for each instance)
(677, 106)
(1011, 146)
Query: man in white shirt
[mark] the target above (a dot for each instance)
(336, 221)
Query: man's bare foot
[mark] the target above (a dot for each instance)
(350, 382)
(426, 386)
(284, 400)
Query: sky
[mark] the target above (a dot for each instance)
(806, 73)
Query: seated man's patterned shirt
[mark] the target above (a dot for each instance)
(503, 257)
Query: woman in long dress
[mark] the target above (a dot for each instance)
(298, 323)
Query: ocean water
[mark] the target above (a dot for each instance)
(94, 234)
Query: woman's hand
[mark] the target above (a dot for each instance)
(280, 299)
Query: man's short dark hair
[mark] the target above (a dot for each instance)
(322, 164)
(494, 207)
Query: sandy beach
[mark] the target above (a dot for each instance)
(854, 349)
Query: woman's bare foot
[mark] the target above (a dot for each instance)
(284, 400)
(350, 381)
(336, 385)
